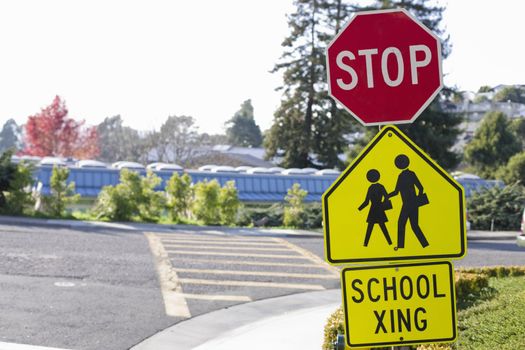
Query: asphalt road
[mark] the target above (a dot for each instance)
(104, 289)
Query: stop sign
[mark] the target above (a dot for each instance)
(384, 67)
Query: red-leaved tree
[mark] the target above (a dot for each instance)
(52, 133)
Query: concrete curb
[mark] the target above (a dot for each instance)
(219, 230)
(200, 329)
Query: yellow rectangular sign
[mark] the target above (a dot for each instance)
(399, 304)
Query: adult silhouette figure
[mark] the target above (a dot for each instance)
(407, 183)
(377, 197)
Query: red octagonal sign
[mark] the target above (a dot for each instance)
(384, 67)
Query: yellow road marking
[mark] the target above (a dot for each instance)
(213, 297)
(281, 256)
(257, 273)
(215, 238)
(250, 263)
(310, 256)
(252, 284)
(222, 242)
(278, 249)
(170, 284)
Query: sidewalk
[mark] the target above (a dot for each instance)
(290, 322)
(220, 230)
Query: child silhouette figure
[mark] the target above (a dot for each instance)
(377, 197)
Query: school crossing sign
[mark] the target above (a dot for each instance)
(393, 203)
(399, 304)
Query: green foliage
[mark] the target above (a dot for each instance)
(514, 170)
(15, 185)
(435, 131)
(241, 128)
(229, 203)
(308, 121)
(7, 175)
(492, 145)
(179, 195)
(500, 207)
(206, 202)
(62, 193)
(19, 196)
(510, 93)
(294, 210)
(10, 136)
(133, 197)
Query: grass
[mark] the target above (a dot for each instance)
(498, 323)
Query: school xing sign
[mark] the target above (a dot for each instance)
(399, 304)
(393, 203)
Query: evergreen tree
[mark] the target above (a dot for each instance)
(119, 142)
(241, 128)
(492, 145)
(10, 136)
(308, 127)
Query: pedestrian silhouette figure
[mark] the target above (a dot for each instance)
(406, 185)
(377, 197)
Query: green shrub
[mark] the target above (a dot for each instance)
(500, 206)
(206, 202)
(61, 194)
(179, 194)
(294, 210)
(229, 203)
(19, 196)
(133, 197)
(267, 216)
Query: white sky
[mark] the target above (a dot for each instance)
(146, 60)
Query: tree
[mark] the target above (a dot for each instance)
(294, 210)
(119, 142)
(492, 145)
(10, 136)
(52, 133)
(62, 193)
(510, 93)
(308, 127)
(514, 170)
(241, 128)
(179, 194)
(15, 185)
(178, 140)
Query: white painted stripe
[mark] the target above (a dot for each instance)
(252, 284)
(250, 263)
(221, 242)
(310, 256)
(200, 246)
(170, 285)
(257, 273)
(13, 346)
(283, 256)
(213, 297)
(214, 238)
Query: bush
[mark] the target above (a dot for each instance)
(268, 215)
(229, 203)
(500, 206)
(206, 202)
(179, 194)
(62, 193)
(294, 210)
(19, 196)
(133, 197)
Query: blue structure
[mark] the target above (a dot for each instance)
(251, 187)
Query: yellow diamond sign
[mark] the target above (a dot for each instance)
(393, 203)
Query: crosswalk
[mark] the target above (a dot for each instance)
(231, 269)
